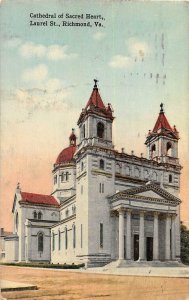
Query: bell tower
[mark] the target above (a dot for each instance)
(95, 121)
(162, 141)
(95, 162)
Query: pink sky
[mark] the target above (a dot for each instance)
(47, 78)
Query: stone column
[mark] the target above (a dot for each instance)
(28, 241)
(141, 236)
(121, 234)
(173, 237)
(156, 237)
(167, 237)
(128, 235)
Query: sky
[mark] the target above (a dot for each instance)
(139, 53)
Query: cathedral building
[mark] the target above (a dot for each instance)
(105, 205)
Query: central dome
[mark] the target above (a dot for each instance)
(66, 155)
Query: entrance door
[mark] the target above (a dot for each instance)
(124, 247)
(149, 248)
(136, 246)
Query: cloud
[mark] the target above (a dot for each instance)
(38, 73)
(56, 52)
(13, 42)
(52, 52)
(99, 35)
(137, 47)
(28, 50)
(54, 84)
(49, 93)
(52, 96)
(120, 62)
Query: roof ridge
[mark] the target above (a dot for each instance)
(36, 193)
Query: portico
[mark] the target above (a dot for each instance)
(125, 216)
(146, 224)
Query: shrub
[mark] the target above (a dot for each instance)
(44, 265)
(184, 244)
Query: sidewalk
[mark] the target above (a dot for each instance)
(178, 272)
(7, 286)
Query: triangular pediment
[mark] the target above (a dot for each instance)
(148, 191)
(150, 194)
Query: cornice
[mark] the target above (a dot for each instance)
(65, 202)
(145, 199)
(98, 172)
(82, 175)
(31, 205)
(130, 179)
(72, 217)
(69, 165)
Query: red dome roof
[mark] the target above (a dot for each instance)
(66, 155)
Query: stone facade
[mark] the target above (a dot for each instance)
(105, 205)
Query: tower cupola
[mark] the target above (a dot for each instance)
(162, 141)
(95, 121)
(72, 138)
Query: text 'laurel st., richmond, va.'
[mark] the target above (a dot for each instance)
(66, 19)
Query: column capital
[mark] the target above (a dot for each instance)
(142, 212)
(168, 215)
(156, 213)
(121, 210)
(129, 210)
(173, 216)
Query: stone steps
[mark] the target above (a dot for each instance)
(126, 264)
(92, 261)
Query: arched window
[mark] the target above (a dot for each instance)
(53, 241)
(74, 235)
(169, 149)
(84, 131)
(59, 240)
(39, 215)
(137, 172)
(66, 238)
(67, 176)
(40, 242)
(153, 150)
(82, 166)
(127, 170)
(73, 209)
(118, 168)
(16, 222)
(55, 179)
(102, 164)
(67, 212)
(34, 215)
(100, 130)
(146, 174)
(170, 178)
(62, 177)
(154, 176)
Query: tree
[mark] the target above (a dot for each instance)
(184, 244)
